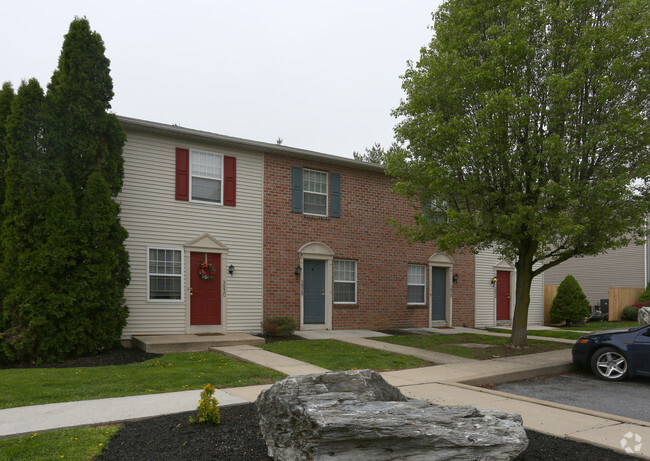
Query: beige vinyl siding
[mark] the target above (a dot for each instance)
(485, 292)
(153, 218)
(485, 307)
(536, 308)
(624, 267)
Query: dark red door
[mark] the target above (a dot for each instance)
(205, 295)
(503, 295)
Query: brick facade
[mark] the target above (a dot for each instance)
(361, 234)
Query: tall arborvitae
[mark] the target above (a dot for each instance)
(104, 269)
(6, 96)
(65, 266)
(80, 135)
(22, 226)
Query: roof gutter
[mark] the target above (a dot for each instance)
(180, 132)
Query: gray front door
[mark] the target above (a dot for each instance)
(314, 280)
(438, 293)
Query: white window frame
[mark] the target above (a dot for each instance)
(181, 276)
(424, 285)
(192, 175)
(326, 194)
(334, 281)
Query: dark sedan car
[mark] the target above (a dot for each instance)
(614, 355)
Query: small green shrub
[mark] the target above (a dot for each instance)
(570, 304)
(208, 409)
(645, 296)
(278, 326)
(630, 313)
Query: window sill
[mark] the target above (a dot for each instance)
(316, 216)
(411, 306)
(345, 304)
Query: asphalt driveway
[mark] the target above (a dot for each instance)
(582, 389)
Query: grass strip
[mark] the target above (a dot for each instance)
(169, 373)
(548, 333)
(337, 355)
(78, 443)
(600, 326)
(472, 346)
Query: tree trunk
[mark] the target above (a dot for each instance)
(522, 301)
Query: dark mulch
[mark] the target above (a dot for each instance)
(275, 339)
(117, 356)
(238, 437)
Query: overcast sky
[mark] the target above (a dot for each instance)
(321, 75)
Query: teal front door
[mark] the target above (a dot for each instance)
(438, 293)
(314, 291)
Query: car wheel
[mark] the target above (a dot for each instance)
(609, 364)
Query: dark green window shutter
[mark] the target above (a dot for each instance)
(296, 189)
(335, 205)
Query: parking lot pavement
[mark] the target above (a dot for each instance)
(582, 389)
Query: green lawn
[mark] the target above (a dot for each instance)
(555, 333)
(599, 326)
(169, 373)
(79, 443)
(470, 345)
(336, 355)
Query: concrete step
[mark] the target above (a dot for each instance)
(164, 344)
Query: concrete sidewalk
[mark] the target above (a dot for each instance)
(451, 383)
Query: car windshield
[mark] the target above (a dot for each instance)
(636, 328)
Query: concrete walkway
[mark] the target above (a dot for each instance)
(281, 363)
(451, 383)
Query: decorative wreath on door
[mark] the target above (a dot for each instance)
(206, 271)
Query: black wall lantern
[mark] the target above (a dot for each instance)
(455, 278)
(231, 269)
(494, 280)
(298, 271)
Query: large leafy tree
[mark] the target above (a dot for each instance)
(525, 122)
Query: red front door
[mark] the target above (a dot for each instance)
(503, 295)
(205, 295)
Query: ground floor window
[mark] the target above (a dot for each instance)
(164, 273)
(345, 281)
(416, 280)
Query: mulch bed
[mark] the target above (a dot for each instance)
(238, 437)
(173, 437)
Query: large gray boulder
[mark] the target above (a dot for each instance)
(357, 415)
(644, 316)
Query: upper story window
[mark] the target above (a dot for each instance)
(314, 186)
(206, 176)
(416, 280)
(164, 274)
(315, 192)
(345, 281)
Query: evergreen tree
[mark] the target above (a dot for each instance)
(64, 263)
(570, 304)
(23, 212)
(80, 135)
(6, 96)
(104, 267)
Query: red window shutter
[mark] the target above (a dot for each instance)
(229, 180)
(182, 174)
